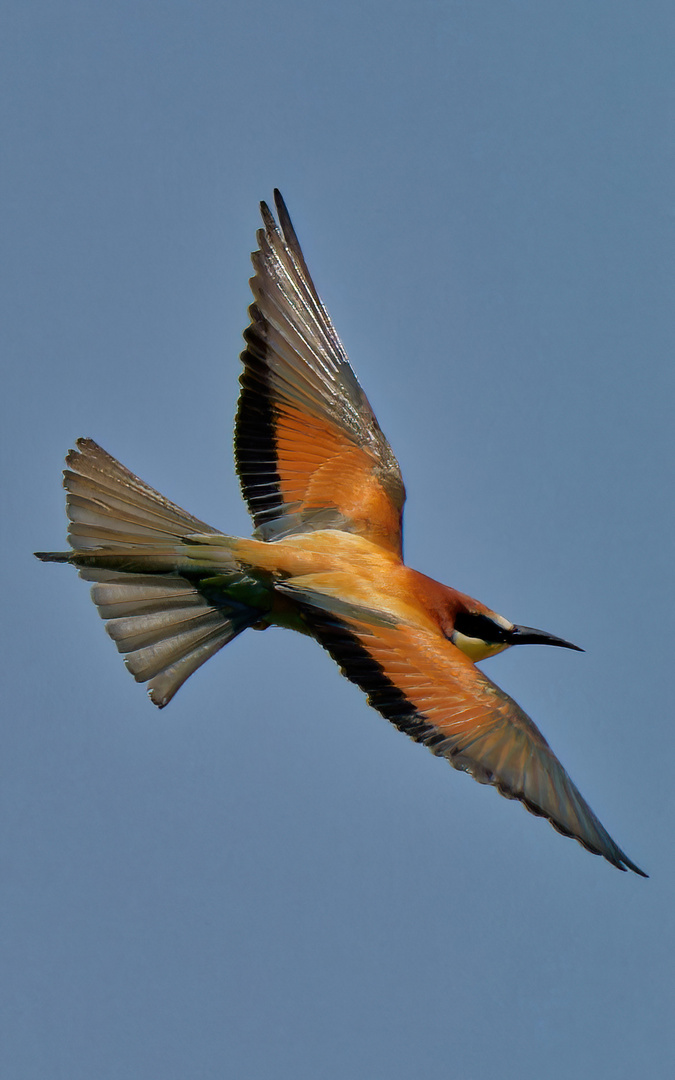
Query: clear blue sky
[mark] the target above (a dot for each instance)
(266, 880)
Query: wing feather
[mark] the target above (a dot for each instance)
(434, 693)
(310, 453)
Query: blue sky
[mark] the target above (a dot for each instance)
(266, 880)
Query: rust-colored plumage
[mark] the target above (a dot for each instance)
(326, 495)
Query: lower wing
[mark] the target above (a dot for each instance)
(435, 694)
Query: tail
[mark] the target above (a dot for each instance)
(167, 584)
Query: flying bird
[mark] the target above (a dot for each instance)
(326, 496)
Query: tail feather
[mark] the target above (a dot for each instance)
(108, 506)
(118, 485)
(153, 660)
(88, 514)
(135, 633)
(136, 547)
(162, 688)
(90, 535)
(164, 626)
(129, 503)
(144, 595)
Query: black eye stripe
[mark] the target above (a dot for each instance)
(481, 627)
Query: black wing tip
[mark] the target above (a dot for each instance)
(610, 852)
(621, 862)
(289, 233)
(279, 202)
(286, 232)
(614, 858)
(631, 866)
(268, 220)
(617, 859)
(279, 205)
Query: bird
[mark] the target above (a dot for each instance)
(326, 496)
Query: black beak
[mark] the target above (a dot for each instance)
(527, 635)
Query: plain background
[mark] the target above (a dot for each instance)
(266, 880)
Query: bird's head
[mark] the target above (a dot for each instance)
(480, 632)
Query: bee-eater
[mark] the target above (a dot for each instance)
(326, 496)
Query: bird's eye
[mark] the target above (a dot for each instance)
(473, 625)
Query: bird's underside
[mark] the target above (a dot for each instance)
(326, 496)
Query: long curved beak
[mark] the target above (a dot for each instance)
(527, 635)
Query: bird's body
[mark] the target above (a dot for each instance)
(326, 495)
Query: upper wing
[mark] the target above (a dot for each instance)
(309, 452)
(434, 693)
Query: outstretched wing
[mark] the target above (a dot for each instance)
(430, 690)
(309, 452)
